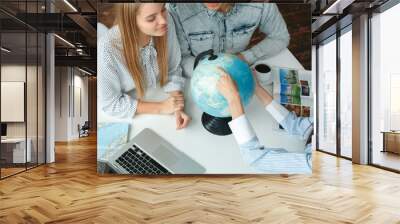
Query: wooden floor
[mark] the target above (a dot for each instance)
(387, 159)
(10, 171)
(70, 191)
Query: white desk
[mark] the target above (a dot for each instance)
(19, 149)
(219, 154)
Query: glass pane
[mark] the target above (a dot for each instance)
(327, 97)
(32, 86)
(346, 94)
(31, 98)
(22, 63)
(385, 89)
(13, 87)
(41, 99)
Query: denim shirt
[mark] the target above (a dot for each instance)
(116, 87)
(275, 160)
(200, 29)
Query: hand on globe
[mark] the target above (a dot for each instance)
(227, 86)
(204, 81)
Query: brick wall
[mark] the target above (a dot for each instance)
(298, 21)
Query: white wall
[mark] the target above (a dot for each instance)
(69, 82)
(12, 101)
(80, 83)
(14, 73)
(17, 73)
(33, 127)
(61, 103)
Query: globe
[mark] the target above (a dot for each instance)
(205, 78)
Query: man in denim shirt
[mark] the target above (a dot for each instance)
(260, 158)
(204, 26)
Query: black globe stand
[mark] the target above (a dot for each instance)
(216, 125)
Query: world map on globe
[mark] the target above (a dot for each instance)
(205, 78)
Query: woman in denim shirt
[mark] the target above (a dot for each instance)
(228, 28)
(135, 56)
(260, 158)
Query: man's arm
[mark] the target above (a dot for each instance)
(261, 159)
(277, 36)
(187, 61)
(302, 126)
(240, 125)
(175, 80)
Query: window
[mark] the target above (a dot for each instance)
(394, 118)
(346, 75)
(327, 96)
(385, 86)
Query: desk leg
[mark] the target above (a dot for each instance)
(384, 143)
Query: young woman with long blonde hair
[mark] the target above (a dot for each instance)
(139, 53)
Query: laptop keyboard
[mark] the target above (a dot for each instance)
(135, 161)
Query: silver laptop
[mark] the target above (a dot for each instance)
(148, 153)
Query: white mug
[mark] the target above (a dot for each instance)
(263, 73)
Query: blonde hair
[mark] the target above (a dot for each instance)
(126, 20)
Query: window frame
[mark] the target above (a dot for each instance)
(334, 37)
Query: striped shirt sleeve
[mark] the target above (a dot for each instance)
(270, 160)
(112, 100)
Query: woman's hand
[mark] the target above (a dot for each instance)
(172, 104)
(182, 119)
